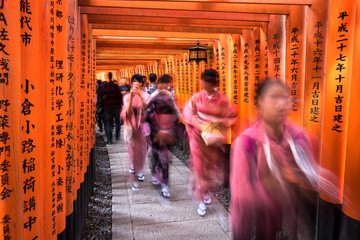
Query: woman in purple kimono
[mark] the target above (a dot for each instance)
(162, 118)
(272, 166)
(133, 116)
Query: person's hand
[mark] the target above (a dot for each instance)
(136, 91)
(133, 92)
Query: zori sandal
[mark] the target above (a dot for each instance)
(207, 199)
(132, 171)
(165, 190)
(202, 209)
(141, 178)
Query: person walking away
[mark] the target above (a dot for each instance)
(111, 99)
(133, 117)
(162, 121)
(125, 88)
(207, 116)
(152, 87)
(99, 107)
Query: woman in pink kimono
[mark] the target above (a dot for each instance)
(205, 109)
(269, 161)
(133, 116)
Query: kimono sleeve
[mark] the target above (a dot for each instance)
(242, 168)
(126, 99)
(150, 119)
(230, 114)
(190, 114)
(242, 189)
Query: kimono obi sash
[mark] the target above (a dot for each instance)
(166, 122)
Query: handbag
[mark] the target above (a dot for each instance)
(212, 135)
(128, 132)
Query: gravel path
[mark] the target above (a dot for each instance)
(99, 221)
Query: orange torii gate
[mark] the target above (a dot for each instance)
(52, 50)
(289, 43)
(47, 84)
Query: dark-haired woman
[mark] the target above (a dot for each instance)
(208, 108)
(133, 116)
(162, 118)
(268, 161)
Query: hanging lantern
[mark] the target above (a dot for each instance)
(197, 53)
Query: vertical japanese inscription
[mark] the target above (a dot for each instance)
(294, 67)
(235, 72)
(341, 72)
(317, 71)
(82, 103)
(70, 117)
(192, 65)
(277, 58)
(52, 87)
(29, 119)
(26, 23)
(181, 67)
(256, 66)
(223, 71)
(186, 73)
(6, 151)
(60, 110)
(246, 74)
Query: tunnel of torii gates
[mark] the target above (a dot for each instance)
(53, 50)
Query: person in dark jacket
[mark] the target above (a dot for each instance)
(162, 121)
(152, 88)
(99, 108)
(110, 97)
(125, 88)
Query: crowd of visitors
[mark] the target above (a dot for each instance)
(272, 164)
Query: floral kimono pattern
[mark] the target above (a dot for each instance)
(206, 161)
(161, 115)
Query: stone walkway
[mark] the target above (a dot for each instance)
(145, 214)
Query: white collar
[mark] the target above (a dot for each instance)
(210, 96)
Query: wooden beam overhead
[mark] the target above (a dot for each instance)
(106, 69)
(162, 28)
(172, 21)
(122, 62)
(130, 57)
(142, 39)
(290, 2)
(144, 44)
(114, 67)
(189, 14)
(138, 52)
(227, 7)
(116, 34)
(133, 61)
(154, 46)
(136, 46)
(164, 41)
